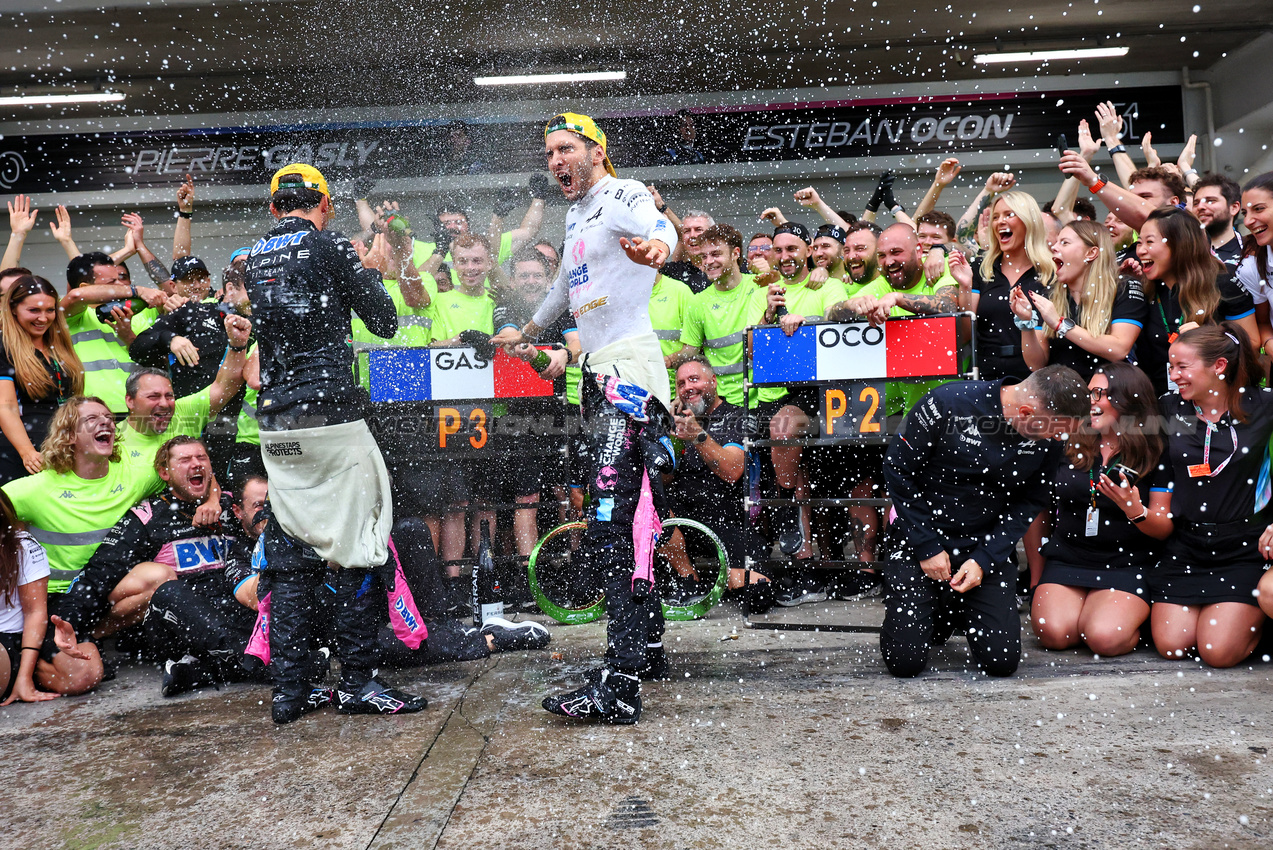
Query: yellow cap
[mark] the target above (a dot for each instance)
(311, 178)
(584, 126)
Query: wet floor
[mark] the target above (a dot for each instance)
(775, 738)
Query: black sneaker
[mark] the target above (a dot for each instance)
(186, 674)
(285, 709)
(609, 697)
(656, 668)
(376, 697)
(858, 584)
(801, 592)
(509, 636)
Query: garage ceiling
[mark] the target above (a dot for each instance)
(183, 57)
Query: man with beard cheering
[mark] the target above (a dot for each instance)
(615, 242)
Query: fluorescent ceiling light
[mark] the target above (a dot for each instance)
(49, 99)
(532, 79)
(1045, 55)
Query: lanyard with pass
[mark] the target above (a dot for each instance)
(1093, 524)
(1204, 470)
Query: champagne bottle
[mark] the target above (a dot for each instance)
(488, 597)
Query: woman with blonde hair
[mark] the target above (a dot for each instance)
(39, 369)
(1018, 258)
(1092, 317)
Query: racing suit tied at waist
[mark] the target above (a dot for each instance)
(329, 489)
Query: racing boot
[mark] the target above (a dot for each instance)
(608, 697)
(285, 708)
(375, 697)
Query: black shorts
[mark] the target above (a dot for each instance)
(835, 470)
(12, 644)
(1127, 579)
(502, 478)
(426, 484)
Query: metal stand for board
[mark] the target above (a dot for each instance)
(857, 369)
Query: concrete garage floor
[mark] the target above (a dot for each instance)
(775, 739)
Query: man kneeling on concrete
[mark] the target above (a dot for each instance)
(970, 469)
(193, 621)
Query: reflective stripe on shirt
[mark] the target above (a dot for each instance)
(68, 538)
(726, 341)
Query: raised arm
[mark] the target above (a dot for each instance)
(154, 269)
(181, 238)
(61, 230)
(526, 232)
(1111, 126)
(21, 222)
(808, 197)
(1129, 208)
(946, 174)
(1063, 206)
(966, 227)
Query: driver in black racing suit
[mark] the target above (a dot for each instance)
(329, 490)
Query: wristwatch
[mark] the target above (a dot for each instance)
(700, 438)
(1143, 516)
(1064, 327)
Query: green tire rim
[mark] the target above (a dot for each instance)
(677, 613)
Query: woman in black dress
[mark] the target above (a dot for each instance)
(1218, 422)
(38, 370)
(1106, 537)
(1185, 286)
(1092, 317)
(1018, 258)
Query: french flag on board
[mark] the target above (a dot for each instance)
(450, 374)
(920, 347)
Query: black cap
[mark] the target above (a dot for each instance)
(187, 266)
(835, 231)
(796, 229)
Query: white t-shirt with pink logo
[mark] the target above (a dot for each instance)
(607, 294)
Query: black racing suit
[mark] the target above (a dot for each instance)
(622, 449)
(964, 482)
(197, 614)
(303, 282)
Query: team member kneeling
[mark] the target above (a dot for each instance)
(969, 470)
(1218, 424)
(1106, 539)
